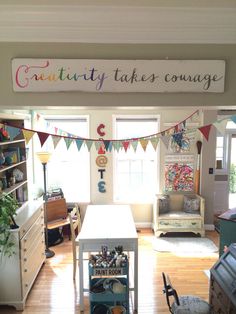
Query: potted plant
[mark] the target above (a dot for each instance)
(8, 207)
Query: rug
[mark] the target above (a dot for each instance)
(181, 245)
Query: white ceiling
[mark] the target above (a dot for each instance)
(169, 21)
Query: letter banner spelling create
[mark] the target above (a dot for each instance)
(155, 76)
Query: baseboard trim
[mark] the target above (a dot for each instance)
(209, 227)
(143, 225)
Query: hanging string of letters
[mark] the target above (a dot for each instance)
(178, 135)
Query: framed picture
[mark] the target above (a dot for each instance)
(179, 173)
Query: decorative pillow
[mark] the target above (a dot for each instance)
(164, 204)
(191, 204)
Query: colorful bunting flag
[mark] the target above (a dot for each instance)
(125, 144)
(13, 132)
(42, 137)
(154, 141)
(68, 141)
(79, 143)
(134, 144)
(165, 140)
(205, 130)
(89, 144)
(143, 143)
(55, 139)
(28, 134)
(221, 126)
(233, 118)
(106, 144)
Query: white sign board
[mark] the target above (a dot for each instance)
(152, 76)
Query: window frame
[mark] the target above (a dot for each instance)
(53, 117)
(115, 117)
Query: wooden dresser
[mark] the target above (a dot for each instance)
(18, 272)
(223, 283)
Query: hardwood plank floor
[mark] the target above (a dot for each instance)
(54, 291)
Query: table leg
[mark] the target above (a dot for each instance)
(81, 278)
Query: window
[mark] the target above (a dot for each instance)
(220, 151)
(135, 173)
(69, 169)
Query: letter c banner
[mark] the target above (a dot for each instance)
(100, 128)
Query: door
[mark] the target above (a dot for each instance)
(232, 170)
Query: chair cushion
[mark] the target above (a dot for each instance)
(191, 204)
(191, 305)
(164, 204)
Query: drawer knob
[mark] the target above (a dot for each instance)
(25, 240)
(219, 294)
(25, 259)
(25, 250)
(25, 270)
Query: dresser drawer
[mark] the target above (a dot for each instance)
(31, 264)
(217, 307)
(219, 294)
(30, 222)
(174, 223)
(27, 252)
(28, 240)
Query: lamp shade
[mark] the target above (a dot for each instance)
(44, 157)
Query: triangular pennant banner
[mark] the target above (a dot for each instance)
(233, 118)
(79, 143)
(98, 144)
(165, 140)
(42, 137)
(89, 144)
(190, 135)
(13, 132)
(55, 140)
(106, 144)
(125, 145)
(205, 130)
(154, 141)
(221, 126)
(134, 144)
(28, 134)
(110, 146)
(143, 143)
(68, 141)
(117, 145)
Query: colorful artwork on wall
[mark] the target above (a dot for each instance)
(179, 173)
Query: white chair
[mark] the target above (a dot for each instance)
(75, 223)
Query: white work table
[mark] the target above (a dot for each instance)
(110, 225)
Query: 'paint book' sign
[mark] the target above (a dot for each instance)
(152, 76)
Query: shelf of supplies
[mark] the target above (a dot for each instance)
(5, 168)
(14, 187)
(12, 142)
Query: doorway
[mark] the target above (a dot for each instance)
(232, 170)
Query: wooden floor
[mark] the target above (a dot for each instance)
(54, 291)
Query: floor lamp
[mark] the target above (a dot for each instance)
(44, 158)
